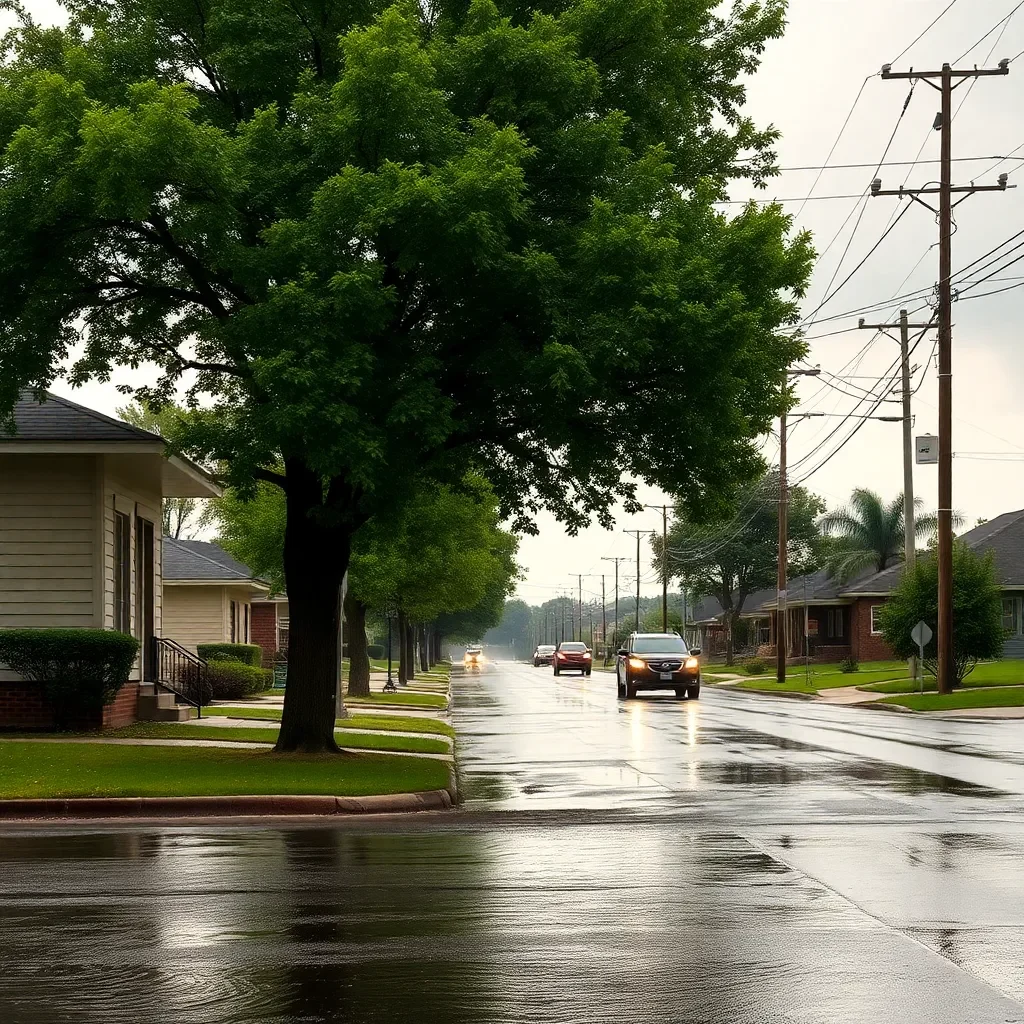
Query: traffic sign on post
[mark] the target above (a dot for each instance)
(921, 634)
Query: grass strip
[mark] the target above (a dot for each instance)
(85, 769)
(962, 700)
(386, 723)
(254, 734)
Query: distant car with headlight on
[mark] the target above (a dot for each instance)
(572, 656)
(658, 661)
(474, 658)
(544, 655)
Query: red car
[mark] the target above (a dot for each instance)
(572, 656)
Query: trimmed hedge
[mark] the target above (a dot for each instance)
(247, 654)
(81, 669)
(375, 651)
(231, 680)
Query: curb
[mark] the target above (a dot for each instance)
(224, 806)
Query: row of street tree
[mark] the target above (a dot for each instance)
(384, 250)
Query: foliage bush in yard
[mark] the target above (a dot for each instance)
(978, 632)
(81, 669)
(247, 654)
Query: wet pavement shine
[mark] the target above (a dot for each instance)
(733, 859)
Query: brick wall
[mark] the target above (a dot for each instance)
(865, 645)
(263, 629)
(24, 706)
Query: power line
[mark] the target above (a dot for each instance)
(928, 29)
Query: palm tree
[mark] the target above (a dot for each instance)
(869, 533)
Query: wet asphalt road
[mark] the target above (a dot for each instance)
(736, 859)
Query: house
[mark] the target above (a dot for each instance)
(840, 620)
(837, 619)
(706, 625)
(270, 627)
(208, 595)
(80, 536)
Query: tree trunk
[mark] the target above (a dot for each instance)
(403, 649)
(410, 648)
(315, 559)
(424, 658)
(358, 660)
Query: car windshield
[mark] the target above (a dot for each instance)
(659, 645)
(573, 648)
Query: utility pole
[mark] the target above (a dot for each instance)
(639, 534)
(664, 568)
(616, 561)
(604, 619)
(945, 191)
(781, 607)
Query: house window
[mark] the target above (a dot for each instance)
(1011, 615)
(122, 573)
(234, 622)
(876, 628)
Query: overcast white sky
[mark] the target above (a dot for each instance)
(806, 87)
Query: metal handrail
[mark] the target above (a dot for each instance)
(176, 669)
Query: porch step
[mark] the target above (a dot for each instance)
(160, 706)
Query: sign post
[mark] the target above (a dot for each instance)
(921, 634)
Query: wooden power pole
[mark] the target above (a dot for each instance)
(945, 81)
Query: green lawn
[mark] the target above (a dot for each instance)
(990, 673)
(388, 723)
(254, 734)
(85, 769)
(824, 677)
(999, 697)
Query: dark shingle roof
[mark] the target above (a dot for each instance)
(201, 560)
(58, 419)
(1003, 536)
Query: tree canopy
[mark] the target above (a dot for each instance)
(736, 555)
(374, 244)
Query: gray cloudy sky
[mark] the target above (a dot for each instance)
(806, 87)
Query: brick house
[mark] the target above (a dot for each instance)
(80, 540)
(828, 620)
(842, 618)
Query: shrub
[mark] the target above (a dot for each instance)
(978, 632)
(849, 665)
(375, 651)
(755, 667)
(247, 654)
(231, 680)
(81, 669)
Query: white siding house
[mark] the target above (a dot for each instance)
(208, 594)
(80, 523)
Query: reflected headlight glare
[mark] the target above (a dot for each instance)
(692, 663)
(637, 663)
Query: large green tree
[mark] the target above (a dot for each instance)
(179, 515)
(377, 243)
(733, 556)
(978, 632)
